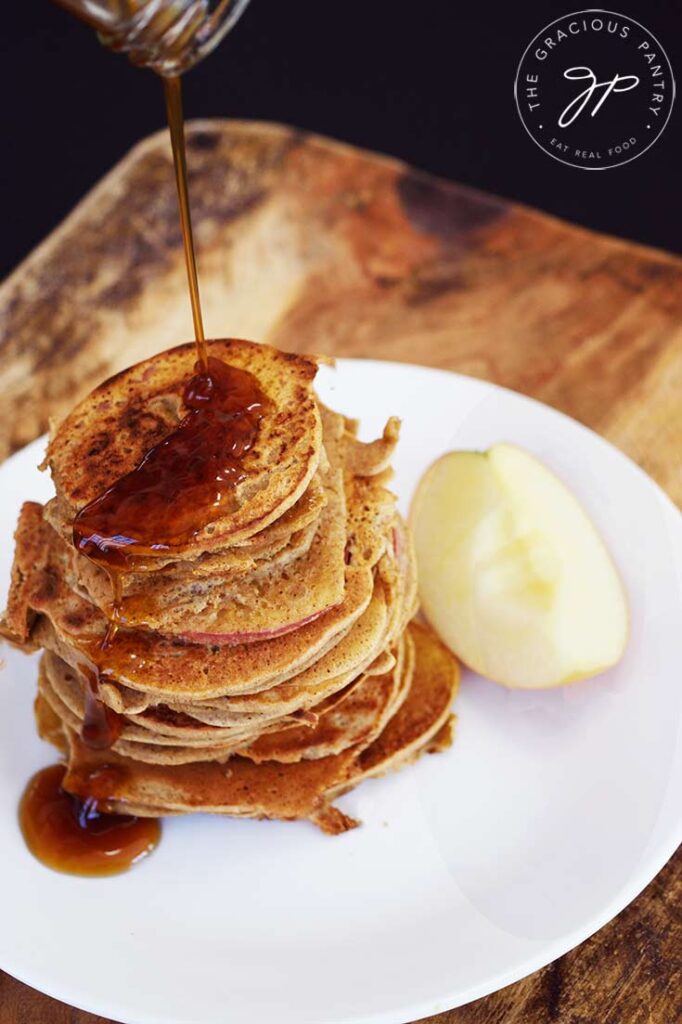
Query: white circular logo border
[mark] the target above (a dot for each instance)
(574, 14)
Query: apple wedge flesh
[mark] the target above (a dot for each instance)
(512, 573)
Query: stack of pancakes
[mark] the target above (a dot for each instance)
(268, 662)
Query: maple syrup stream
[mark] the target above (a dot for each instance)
(172, 87)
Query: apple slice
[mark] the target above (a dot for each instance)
(512, 573)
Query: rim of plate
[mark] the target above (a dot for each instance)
(403, 1013)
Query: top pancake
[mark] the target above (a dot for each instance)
(109, 432)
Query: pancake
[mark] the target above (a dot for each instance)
(240, 789)
(268, 602)
(158, 753)
(63, 689)
(109, 432)
(361, 458)
(303, 513)
(373, 457)
(32, 578)
(363, 645)
(301, 790)
(294, 697)
(162, 724)
(242, 556)
(424, 715)
(376, 621)
(227, 566)
(168, 669)
(43, 611)
(358, 717)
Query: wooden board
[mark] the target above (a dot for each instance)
(315, 246)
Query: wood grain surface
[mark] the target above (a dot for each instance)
(316, 246)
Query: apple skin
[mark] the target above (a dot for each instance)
(232, 639)
(512, 573)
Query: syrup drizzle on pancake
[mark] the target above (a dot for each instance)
(183, 483)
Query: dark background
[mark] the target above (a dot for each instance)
(429, 81)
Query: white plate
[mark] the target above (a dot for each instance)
(472, 869)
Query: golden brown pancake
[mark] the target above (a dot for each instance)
(166, 753)
(43, 611)
(358, 716)
(242, 788)
(356, 652)
(239, 788)
(264, 603)
(373, 457)
(63, 688)
(109, 432)
(424, 714)
(241, 557)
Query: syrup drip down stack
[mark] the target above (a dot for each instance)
(222, 591)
